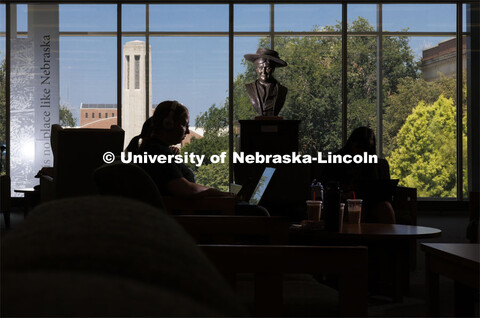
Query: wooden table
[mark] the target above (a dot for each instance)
(460, 262)
(388, 249)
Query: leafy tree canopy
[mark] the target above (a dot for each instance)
(314, 80)
(426, 154)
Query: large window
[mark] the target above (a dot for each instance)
(3, 88)
(392, 67)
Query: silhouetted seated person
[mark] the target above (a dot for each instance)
(168, 127)
(364, 181)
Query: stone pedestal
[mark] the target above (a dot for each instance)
(289, 188)
(268, 136)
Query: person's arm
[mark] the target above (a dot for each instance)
(181, 187)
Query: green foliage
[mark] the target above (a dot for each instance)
(314, 80)
(214, 175)
(410, 92)
(66, 117)
(208, 146)
(426, 154)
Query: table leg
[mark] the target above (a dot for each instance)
(401, 283)
(432, 291)
(464, 300)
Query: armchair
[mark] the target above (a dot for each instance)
(129, 180)
(77, 152)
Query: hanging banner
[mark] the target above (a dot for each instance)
(34, 94)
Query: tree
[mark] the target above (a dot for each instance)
(313, 78)
(215, 140)
(426, 154)
(66, 117)
(214, 175)
(411, 92)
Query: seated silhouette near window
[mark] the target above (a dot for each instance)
(167, 127)
(364, 181)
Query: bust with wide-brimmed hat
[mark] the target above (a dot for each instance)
(266, 94)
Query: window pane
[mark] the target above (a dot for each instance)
(34, 93)
(3, 91)
(244, 73)
(366, 12)
(306, 17)
(419, 120)
(168, 17)
(467, 87)
(361, 82)
(200, 82)
(251, 17)
(419, 17)
(2, 18)
(88, 70)
(133, 17)
(134, 86)
(22, 17)
(313, 79)
(98, 17)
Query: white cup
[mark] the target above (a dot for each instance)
(354, 210)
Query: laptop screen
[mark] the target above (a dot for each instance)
(261, 186)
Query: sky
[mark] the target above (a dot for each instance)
(194, 70)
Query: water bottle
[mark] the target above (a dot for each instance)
(332, 207)
(316, 192)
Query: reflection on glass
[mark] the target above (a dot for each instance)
(419, 119)
(261, 186)
(181, 17)
(253, 18)
(306, 17)
(419, 17)
(98, 17)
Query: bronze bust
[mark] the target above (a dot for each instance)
(266, 94)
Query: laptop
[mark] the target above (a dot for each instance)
(260, 187)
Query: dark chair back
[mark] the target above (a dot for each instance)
(5, 186)
(77, 152)
(127, 180)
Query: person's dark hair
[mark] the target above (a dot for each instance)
(360, 137)
(147, 130)
(165, 112)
